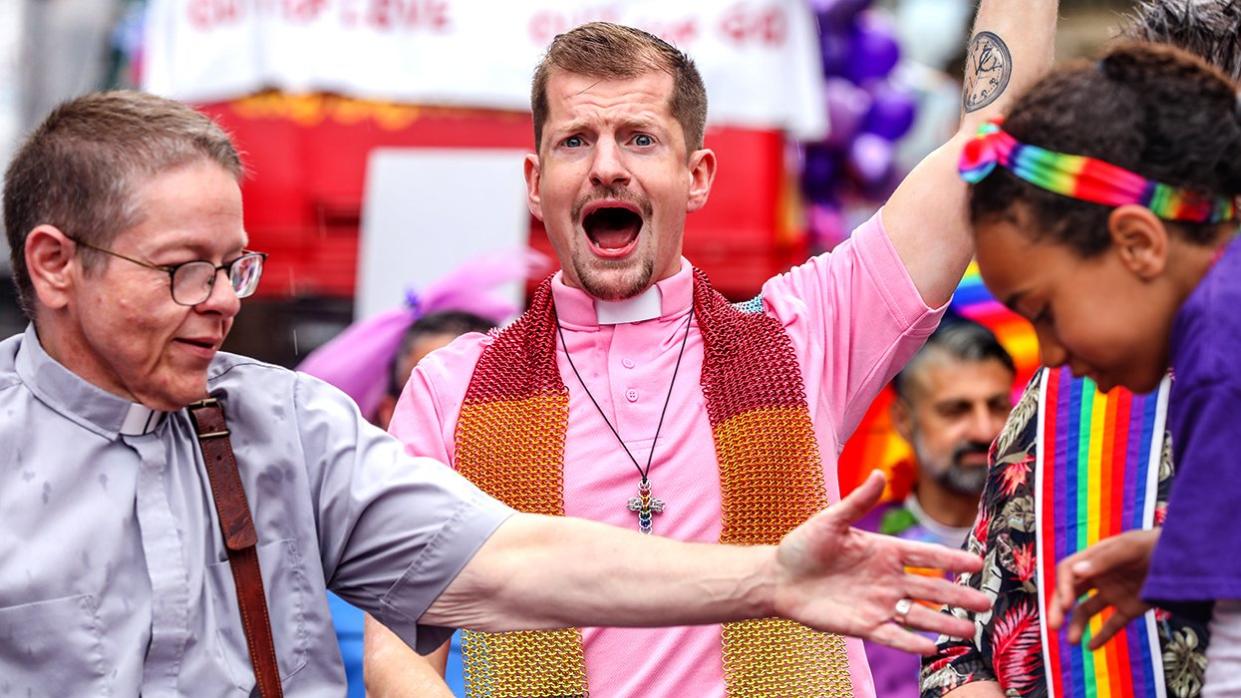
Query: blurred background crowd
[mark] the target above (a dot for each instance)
(383, 140)
(372, 128)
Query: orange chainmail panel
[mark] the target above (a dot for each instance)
(510, 441)
(771, 480)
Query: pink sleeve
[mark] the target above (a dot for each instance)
(855, 317)
(425, 417)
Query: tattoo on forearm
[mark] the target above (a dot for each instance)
(988, 65)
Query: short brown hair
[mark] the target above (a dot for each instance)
(78, 170)
(614, 52)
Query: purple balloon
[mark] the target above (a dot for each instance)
(820, 173)
(836, 47)
(871, 159)
(892, 111)
(847, 108)
(873, 49)
(835, 14)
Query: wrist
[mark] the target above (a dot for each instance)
(759, 588)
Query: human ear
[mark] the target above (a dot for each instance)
(701, 177)
(50, 261)
(1140, 240)
(532, 173)
(902, 418)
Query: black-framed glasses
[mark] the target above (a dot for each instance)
(191, 283)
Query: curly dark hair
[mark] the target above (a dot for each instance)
(1151, 109)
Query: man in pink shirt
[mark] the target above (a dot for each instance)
(630, 393)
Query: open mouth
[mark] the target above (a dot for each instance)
(612, 230)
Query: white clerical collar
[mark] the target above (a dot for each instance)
(140, 420)
(77, 399)
(647, 305)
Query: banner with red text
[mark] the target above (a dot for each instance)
(759, 58)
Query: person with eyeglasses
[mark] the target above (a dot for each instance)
(191, 282)
(171, 515)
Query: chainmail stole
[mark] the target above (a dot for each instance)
(510, 442)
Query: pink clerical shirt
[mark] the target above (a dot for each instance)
(854, 317)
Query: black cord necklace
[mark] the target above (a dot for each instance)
(644, 505)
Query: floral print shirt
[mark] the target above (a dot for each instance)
(1006, 647)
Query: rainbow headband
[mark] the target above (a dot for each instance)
(1084, 178)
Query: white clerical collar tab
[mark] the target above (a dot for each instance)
(647, 305)
(140, 420)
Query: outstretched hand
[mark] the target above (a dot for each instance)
(839, 579)
(1114, 569)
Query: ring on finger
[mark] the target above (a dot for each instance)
(902, 609)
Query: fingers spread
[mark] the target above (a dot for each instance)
(922, 618)
(919, 554)
(1111, 626)
(941, 591)
(1081, 617)
(1066, 591)
(893, 635)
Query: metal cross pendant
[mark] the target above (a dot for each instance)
(645, 506)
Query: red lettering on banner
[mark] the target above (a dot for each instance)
(546, 24)
(349, 13)
(744, 25)
(303, 10)
(678, 32)
(209, 14)
(430, 15)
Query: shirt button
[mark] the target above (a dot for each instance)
(627, 363)
(631, 395)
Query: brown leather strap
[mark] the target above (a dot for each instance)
(240, 539)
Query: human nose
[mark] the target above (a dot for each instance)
(1051, 353)
(607, 168)
(223, 298)
(982, 427)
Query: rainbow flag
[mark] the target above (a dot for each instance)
(1097, 477)
(875, 444)
(972, 300)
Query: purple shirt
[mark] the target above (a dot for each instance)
(1198, 557)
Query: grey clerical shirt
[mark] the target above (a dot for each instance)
(113, 574)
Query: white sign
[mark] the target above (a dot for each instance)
(422, 218)
(760, 59)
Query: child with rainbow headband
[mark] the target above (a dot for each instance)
(1104, 211)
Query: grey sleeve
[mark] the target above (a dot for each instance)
(394, 530)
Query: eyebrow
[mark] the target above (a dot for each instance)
(638, 122)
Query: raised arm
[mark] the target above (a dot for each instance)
(1011, 48)
(540, 572)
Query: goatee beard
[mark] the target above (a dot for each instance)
(637, 283)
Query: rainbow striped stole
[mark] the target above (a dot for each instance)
(510, 442)
(1097, 477)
